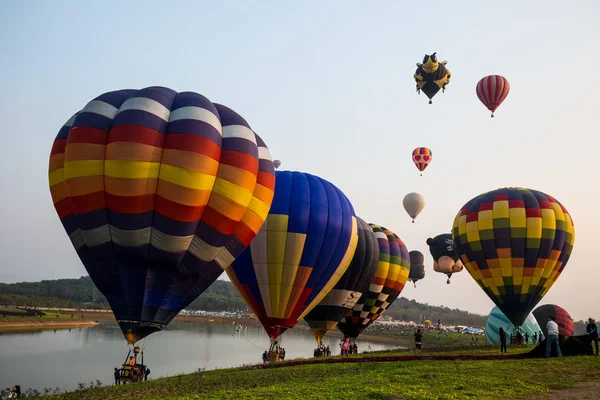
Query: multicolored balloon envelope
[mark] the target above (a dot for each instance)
(346, 293)
(385, 287)
(563, 319)
(515, 243)
(422, 156)
(159, 192)
(496, 320)
(417, 269)
(492, 90)
(300, 253)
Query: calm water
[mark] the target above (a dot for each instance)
(63, 358)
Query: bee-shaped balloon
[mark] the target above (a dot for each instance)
(431, 76)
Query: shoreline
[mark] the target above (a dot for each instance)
(86, 319)
(25, 326)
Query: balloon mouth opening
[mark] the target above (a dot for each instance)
(133, 335)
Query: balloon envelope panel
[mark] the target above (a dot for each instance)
(496, 320)
(159, 192)
(300, 253)
(563, 319)
(350, 287)
(515, 243)
(387, 283)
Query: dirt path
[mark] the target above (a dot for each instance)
(8, 326)
(581, 391)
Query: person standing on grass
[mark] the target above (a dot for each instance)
(592, 331)
(418, 341)
(552, 328)
(117, 376)
(526, 338)
(502, 333)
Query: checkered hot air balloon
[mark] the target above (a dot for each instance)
(515, 243)
(159, 192)
(492, 90)
(300, 253)
(422, 156)
(346, 293)
(385, 287)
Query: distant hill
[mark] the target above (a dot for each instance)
(220, 296)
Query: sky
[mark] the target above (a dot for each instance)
(329, 87)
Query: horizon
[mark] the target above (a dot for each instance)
(330, 89)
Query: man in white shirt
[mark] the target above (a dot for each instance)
(552, 336)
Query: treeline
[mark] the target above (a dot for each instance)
(82, 293)
(220, 296)
(411, 310)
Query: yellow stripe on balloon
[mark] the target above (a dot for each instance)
(277, 225)
(232, 191)
(259, 207)
(534, 228)
(81, 168)
(186, 178)
(131, 169)
(56, 177)
(294, 247)
(501, 209)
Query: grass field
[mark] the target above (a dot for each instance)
(406, 380)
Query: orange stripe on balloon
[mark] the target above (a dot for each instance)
(177, 211)
(190, 161)
(85, 185)
(183, 195)
(133, 151)
(84, 151)
(56, 161)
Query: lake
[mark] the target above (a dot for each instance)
(63, 358)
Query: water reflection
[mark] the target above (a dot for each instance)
(64, 358)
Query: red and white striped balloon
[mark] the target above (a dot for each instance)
(492, 90)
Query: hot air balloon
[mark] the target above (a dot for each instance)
(417, 269)
(385, 287)
(351, 286)
(431, 76)
(159, 192)
(413, 204)
(563, 319)
(276, 164)
(496, 320)
(422, 156)
(515, 242)
(300, 253)
(445, 257)
(492, 90)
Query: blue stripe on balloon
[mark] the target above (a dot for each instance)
(171, 227)
(229, 117)
(299, 205)
(194, 127)
(317, 222)
(130, 221)
(283, 193)
(141, 118)
(241, 145)
(92, 120)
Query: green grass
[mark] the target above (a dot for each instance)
(404, 380)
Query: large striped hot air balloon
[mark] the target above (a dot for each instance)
(515, 242)
(159, 192)
(346, 293)
(492, 90)
(422, 156)
(300, 253)
(385, 287)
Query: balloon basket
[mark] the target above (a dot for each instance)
(430, 102)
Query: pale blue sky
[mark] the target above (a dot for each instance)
(328, 85)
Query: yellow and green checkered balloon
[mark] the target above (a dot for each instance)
(515, 242)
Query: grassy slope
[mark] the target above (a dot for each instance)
(493, 379)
